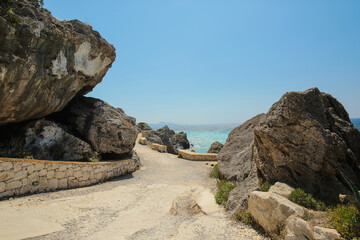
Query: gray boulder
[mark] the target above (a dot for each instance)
(143, 126)
(47, 140)
(43, 139)
(236, 162)
(307, 141)
(45, 62)
(180, 141)
(166, 136)
(215, 147)
(108, 130)
(152, 137)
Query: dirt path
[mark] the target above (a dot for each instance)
(133, 207)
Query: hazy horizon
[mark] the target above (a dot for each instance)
(212, 62)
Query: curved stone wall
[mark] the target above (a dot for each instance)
(26, 176)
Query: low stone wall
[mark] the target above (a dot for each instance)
(198, 156)
(142, 141)
(159, 148)
(26, 176)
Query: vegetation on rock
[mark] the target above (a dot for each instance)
(264, 185)
(215, 172)
(95, 158)
(244, 217)
(302, 198)
(346, 220)
(222, 195)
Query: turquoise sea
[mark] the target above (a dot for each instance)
(202, 139)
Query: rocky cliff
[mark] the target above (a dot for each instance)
(307, 141)
(45, 62)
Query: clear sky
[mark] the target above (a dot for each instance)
(221, 61)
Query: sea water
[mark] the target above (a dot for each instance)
(356, 122)
(202, 139)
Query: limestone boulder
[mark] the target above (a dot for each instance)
(307, 140)
(236, 162)
(282, 189)
(108, 130)
(272, 211)
(215, 147)
(45, 62)
(321, 233)
(298, 229)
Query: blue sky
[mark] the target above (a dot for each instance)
(223, 61)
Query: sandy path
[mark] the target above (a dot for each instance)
(133, 207)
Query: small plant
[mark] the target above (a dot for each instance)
(252, 152)
(46, 10)
(95, 158)
(215, 172)
(222, 195)
(244, 217)
(346, 220)
(14, 19)
(302, 198)
(264, 185)
(307, 215)
(179, 156)
(355, 199)
(26, 155)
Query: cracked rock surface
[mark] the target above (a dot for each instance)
(306, 141)
(45, 62)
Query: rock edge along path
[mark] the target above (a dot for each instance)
(133, 207)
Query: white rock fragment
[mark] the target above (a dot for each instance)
(84, 64)
(59, 65)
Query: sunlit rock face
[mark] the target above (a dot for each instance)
(308, 141)
(44, 62)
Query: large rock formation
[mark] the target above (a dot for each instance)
(307, 141)
(47, 140)
(215, 147)
(42, 139)
(45, 62)
(108, 130)
(166, 136)
(237, 162)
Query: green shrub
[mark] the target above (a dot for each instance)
(244, 217)
(222, 195)
(46, 10)
(264, 186)
(302, 198)
(346, 220)
(95, 158)
(215, 172)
